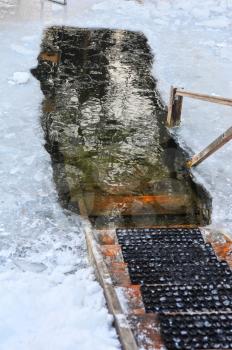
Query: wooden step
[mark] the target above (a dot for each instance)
(137, 205)
(138, 328)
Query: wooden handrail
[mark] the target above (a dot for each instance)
(213, 147)
(204, 97)
(174, 117)
(59, 2)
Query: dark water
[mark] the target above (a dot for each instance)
(104, 125)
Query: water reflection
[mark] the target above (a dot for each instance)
(104, 125)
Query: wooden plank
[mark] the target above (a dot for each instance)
(221, 243)
(212, 148)
(53, 57)
(124, 331)
(174, 108)
(119, 273)
(217, 236)
(111, 250)
(60, 2)
(170, 106)
(204, 97)
(82, 207)
(177, 110)
(137, 205)
(147, 329)
(49, 105)
(106, 237)
(223, 251)
(133, 298)
(123, 328)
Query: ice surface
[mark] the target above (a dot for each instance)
(20, 78)
(62, 307)
(48, 296)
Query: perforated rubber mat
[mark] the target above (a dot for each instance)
(149, 272)
(181, 245)
(180, 274)
(176, 298)
(190, 332)
(159, 235)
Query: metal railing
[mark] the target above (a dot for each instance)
(174, 117)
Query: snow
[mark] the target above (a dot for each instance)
(48, 296)
(62, 319)
(122, 320)
(20, 78)
(20, 49)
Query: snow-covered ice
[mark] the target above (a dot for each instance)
(48, 296)
(20, 78)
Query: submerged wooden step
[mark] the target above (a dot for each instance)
(136, 205)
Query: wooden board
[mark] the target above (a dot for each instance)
(53, 57)
(212, 148)
(136, 205)
(123, 328)
(221, 243)
(174, 108)
(204, 97)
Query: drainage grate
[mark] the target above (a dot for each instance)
(192, 332)
(177, 298)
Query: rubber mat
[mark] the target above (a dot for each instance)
(180, 274)
(161, 234)
(176, 298)
(149, 272)
(164, 253)
(190, 332)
